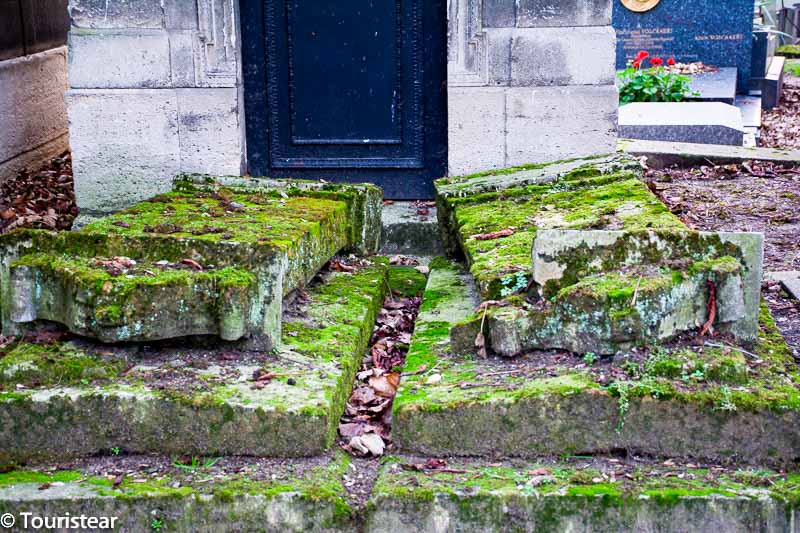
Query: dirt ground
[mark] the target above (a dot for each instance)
(748, 197)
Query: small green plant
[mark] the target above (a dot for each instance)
(697, 375)
(195, 463)
(115, 450)
(590, 358)
(725, 401)
(156, 524)
(513, 284)
(653, 84)
(625, 389)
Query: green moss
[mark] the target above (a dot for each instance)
(34, 364)
(406, 281)
(617, 201)
(788, 50)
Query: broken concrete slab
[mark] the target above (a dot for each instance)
(562, 258)
(688, 122)
(492, 219)
(651, 401)
(249, 245)
(499, 496)
(69, 399)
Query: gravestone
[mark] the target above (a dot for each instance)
(716, 33)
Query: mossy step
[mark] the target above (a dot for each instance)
(578, 495)
(281, 235)
(146, 493)
(184, 494)
(744, 401)
(76, 398)
(604, 193)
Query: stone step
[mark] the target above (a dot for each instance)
(492, 219)
(743, 400)
(253, 242)
(147, 493)
(74, 398)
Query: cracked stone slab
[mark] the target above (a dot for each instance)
(78, 399)
(552, 403)
(251, 244)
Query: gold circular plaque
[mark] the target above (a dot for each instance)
(640, 6)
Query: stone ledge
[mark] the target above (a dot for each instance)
(551, 403)
(77, 399)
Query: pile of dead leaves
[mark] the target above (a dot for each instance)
(42, 200)
(365, 428)
(780, 127)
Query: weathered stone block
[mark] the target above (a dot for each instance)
(606, 314)
(124, 59)
(475, 113)
(496, 234)
(562, 257)
(551, 56)
(498, 496)
(122, 278)
(210, 131)
(542, 13)
(32, 106)
(552, 123)
(97, 14)
(128, 137)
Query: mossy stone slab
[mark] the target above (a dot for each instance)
(477, 496)
(312, 499)
(268, 237)
(528, 407)
(594, 194)
(77, 402)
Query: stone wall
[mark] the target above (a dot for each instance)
(529, 81)
(156, 89)
(34, 117)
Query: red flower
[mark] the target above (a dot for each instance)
(637, 64)
(656, 61)
(671, 61)
(641, 55)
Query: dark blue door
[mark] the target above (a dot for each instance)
(350, 90)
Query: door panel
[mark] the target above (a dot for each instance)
(347, 91)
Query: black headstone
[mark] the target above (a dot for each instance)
(716, 32)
